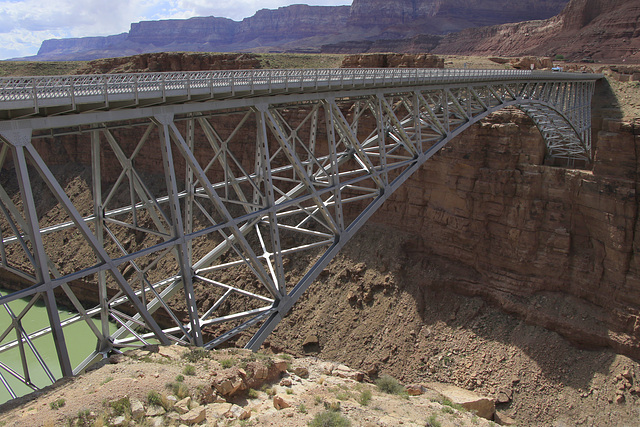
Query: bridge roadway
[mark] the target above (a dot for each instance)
(249, 170)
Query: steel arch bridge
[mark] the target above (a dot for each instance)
(202, 188)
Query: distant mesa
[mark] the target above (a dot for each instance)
(590, 30)
(365, 26)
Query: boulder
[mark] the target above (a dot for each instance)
(280, 403)
(503, 419)
(137, 409)
(482, 406)
(194, 416)
(238, 412)
(182, 406)
(301, 372)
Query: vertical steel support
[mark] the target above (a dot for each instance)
(98, 211)
(334, 177)
(40, 256)
(181, 250)
(277, 269)
(189, 186)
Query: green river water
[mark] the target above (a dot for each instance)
(80, 342)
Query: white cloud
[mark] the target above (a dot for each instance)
(24, 24)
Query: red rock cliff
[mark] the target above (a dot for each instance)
(602, 30)
(555, 246)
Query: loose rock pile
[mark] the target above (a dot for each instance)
(219, 388)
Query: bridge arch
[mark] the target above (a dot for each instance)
(253, 172)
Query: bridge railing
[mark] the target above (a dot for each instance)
(27, 92)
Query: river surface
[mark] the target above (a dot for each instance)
(80, 342)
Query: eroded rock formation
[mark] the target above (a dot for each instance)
(392, 60)
(592, 29)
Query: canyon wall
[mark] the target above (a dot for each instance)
(555, 246)
(600, 30)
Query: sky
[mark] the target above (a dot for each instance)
(24, 24)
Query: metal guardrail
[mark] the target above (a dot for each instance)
(33, 92)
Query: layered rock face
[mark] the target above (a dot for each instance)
(417, 44)
(183, 32)
(452, 15)
(597, 29)
(555, 246)
(392, 60)
(289, 23)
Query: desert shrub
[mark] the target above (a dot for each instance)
(227, 363)
(57, 404)
(388, 384)
(121, 406)
(432, 421)
(456, 406)
(154, 398)
(329, 419)
(189, 370)
(365, 397)
(195, 355)
(179, 389)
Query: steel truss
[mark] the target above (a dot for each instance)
(209, 251)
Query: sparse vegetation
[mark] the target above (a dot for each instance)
(154, 398)
(121, 406)
(195, 355)
(227, 363)
(44, 68)
(83, 419)
(343, 395)
(432, 421)
(106, 380)
(329, 419)
(179, 389)
(302, 408)
(448, 403)
(252, 394)
(57, 404)
(332, 406)
(189, 370)
(365, 397)
(180, 378)
(388, 384)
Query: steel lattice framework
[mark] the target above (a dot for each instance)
(251, 170)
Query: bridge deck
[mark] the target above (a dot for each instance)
(43, 96)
